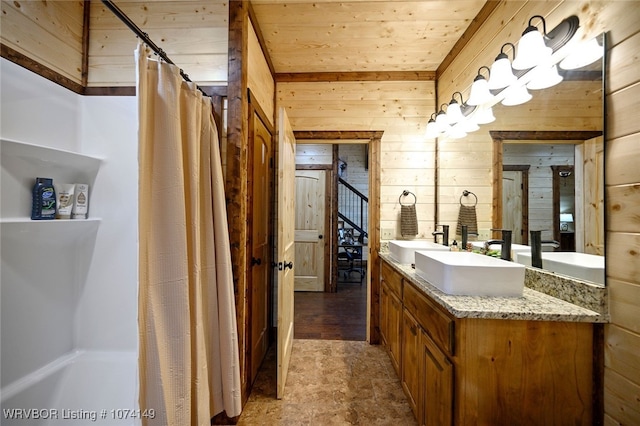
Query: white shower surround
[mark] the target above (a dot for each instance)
(71, 341)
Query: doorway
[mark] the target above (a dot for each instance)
(261, 194)
(371, 283)
(331, 305)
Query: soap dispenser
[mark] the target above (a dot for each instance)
(454, 246)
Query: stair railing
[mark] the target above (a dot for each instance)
(353, 207)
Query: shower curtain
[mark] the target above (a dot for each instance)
(189, 361)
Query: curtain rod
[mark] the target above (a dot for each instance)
(145, 37)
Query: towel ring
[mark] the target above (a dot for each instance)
(406, 193)
(466, 193)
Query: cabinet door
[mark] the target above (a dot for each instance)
(384, 314)
(411, 359)
(436, 401)
(395, 331)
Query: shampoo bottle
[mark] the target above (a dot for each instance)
(43, 205)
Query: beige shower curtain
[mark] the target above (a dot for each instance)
(189, 365)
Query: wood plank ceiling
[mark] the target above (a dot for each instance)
(304, 36)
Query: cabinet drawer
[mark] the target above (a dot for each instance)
(436, 323)
(393, 279)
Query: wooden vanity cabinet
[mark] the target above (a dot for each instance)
(470, 371)
(391, 314)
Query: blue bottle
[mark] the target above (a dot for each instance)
(43, 206)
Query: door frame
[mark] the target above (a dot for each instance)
(374, 139)
(256, 110)
(524, 169)
(555, 170)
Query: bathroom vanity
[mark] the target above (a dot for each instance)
(469, 360)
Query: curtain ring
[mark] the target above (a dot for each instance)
(466, 193)
(406, 193)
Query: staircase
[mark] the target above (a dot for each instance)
(353, 208)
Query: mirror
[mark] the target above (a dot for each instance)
(548, 163)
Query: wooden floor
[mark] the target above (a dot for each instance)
(332, 316)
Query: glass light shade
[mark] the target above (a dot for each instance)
(516, 95)
(544, 77)
(432, 129)
(442, 124)
(484, 116)
(454, 113)
(468, 125)
(501, 74)
(584, 54)
(531, 50)
(479, 92)
(456, 132)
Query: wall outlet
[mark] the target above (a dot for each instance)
(484, 234)
(387, 233)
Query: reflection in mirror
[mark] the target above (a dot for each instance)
(548, 164)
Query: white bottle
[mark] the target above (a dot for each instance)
(81, 201)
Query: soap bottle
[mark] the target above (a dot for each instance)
(43, 205)
(454, 246)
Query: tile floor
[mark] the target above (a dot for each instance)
(330, 382)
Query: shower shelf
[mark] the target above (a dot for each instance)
(56, 231)
(23, 162)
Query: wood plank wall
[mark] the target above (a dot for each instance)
(50, 33)
(260, 80)
(200, 48)
(621, 20)
(395, 107)
(622, 183)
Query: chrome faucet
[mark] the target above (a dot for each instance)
(444, 233)
(505, 242)
(536, 247)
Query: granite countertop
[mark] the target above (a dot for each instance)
(533, 305)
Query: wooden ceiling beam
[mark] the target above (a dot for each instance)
(303, 77)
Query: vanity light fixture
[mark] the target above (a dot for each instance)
(480, 89)
(532, 63)
(454, 111)
(516, 95)
(532, 50)
(585, 53)
(544, 77)
(501, 74)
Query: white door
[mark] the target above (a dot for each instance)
(512, 204)
(286, 246)
(310, 229)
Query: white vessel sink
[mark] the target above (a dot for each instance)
(589, 267)
(471, 274)
(403, 251)
(515, 248)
